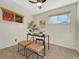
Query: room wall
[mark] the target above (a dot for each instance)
(62, 34)
(78, 26)
(11, 31)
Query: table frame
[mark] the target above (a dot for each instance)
(43, 36)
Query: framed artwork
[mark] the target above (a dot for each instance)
(8, 16)
(11, 16)
(42, 23)
(18, 19)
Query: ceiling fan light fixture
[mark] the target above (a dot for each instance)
(39, 4)
(39, 7)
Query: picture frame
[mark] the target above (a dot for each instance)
(42, 23)
(8, 15)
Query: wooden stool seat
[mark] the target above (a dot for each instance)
(25, 42)
(35, 47)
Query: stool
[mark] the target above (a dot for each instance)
(34, 48)
(24, 44)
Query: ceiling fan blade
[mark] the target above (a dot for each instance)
(38, 0)
(32, 2)
(43, 1)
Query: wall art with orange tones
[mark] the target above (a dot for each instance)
(8, 15)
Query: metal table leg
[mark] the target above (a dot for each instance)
(44, 47)
(18, 47)
(48, 42)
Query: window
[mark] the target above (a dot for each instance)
(59, 19)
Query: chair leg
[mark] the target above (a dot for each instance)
(26, 54)
(42, 57)
(24, 51)
(37, 56)
(18, 47)
(19, 50)
(43, 52)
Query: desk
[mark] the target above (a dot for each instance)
(43, 36)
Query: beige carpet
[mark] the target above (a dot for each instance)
(55, 52)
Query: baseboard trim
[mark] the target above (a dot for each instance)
(7, 46)
(77, 50)
(73, 48)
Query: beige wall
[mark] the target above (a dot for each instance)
(62, 34)
(78, 25)
(9, 31)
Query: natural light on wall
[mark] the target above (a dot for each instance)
(59, 19)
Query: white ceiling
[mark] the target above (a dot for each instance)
(32, 9)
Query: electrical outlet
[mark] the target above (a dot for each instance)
(15, 40)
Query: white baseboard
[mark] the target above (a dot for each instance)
(64, 46)
(77, 50)
(52, 44)
(7, 46)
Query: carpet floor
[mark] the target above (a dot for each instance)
(55, 52)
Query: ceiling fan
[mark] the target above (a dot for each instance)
(38, 2)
